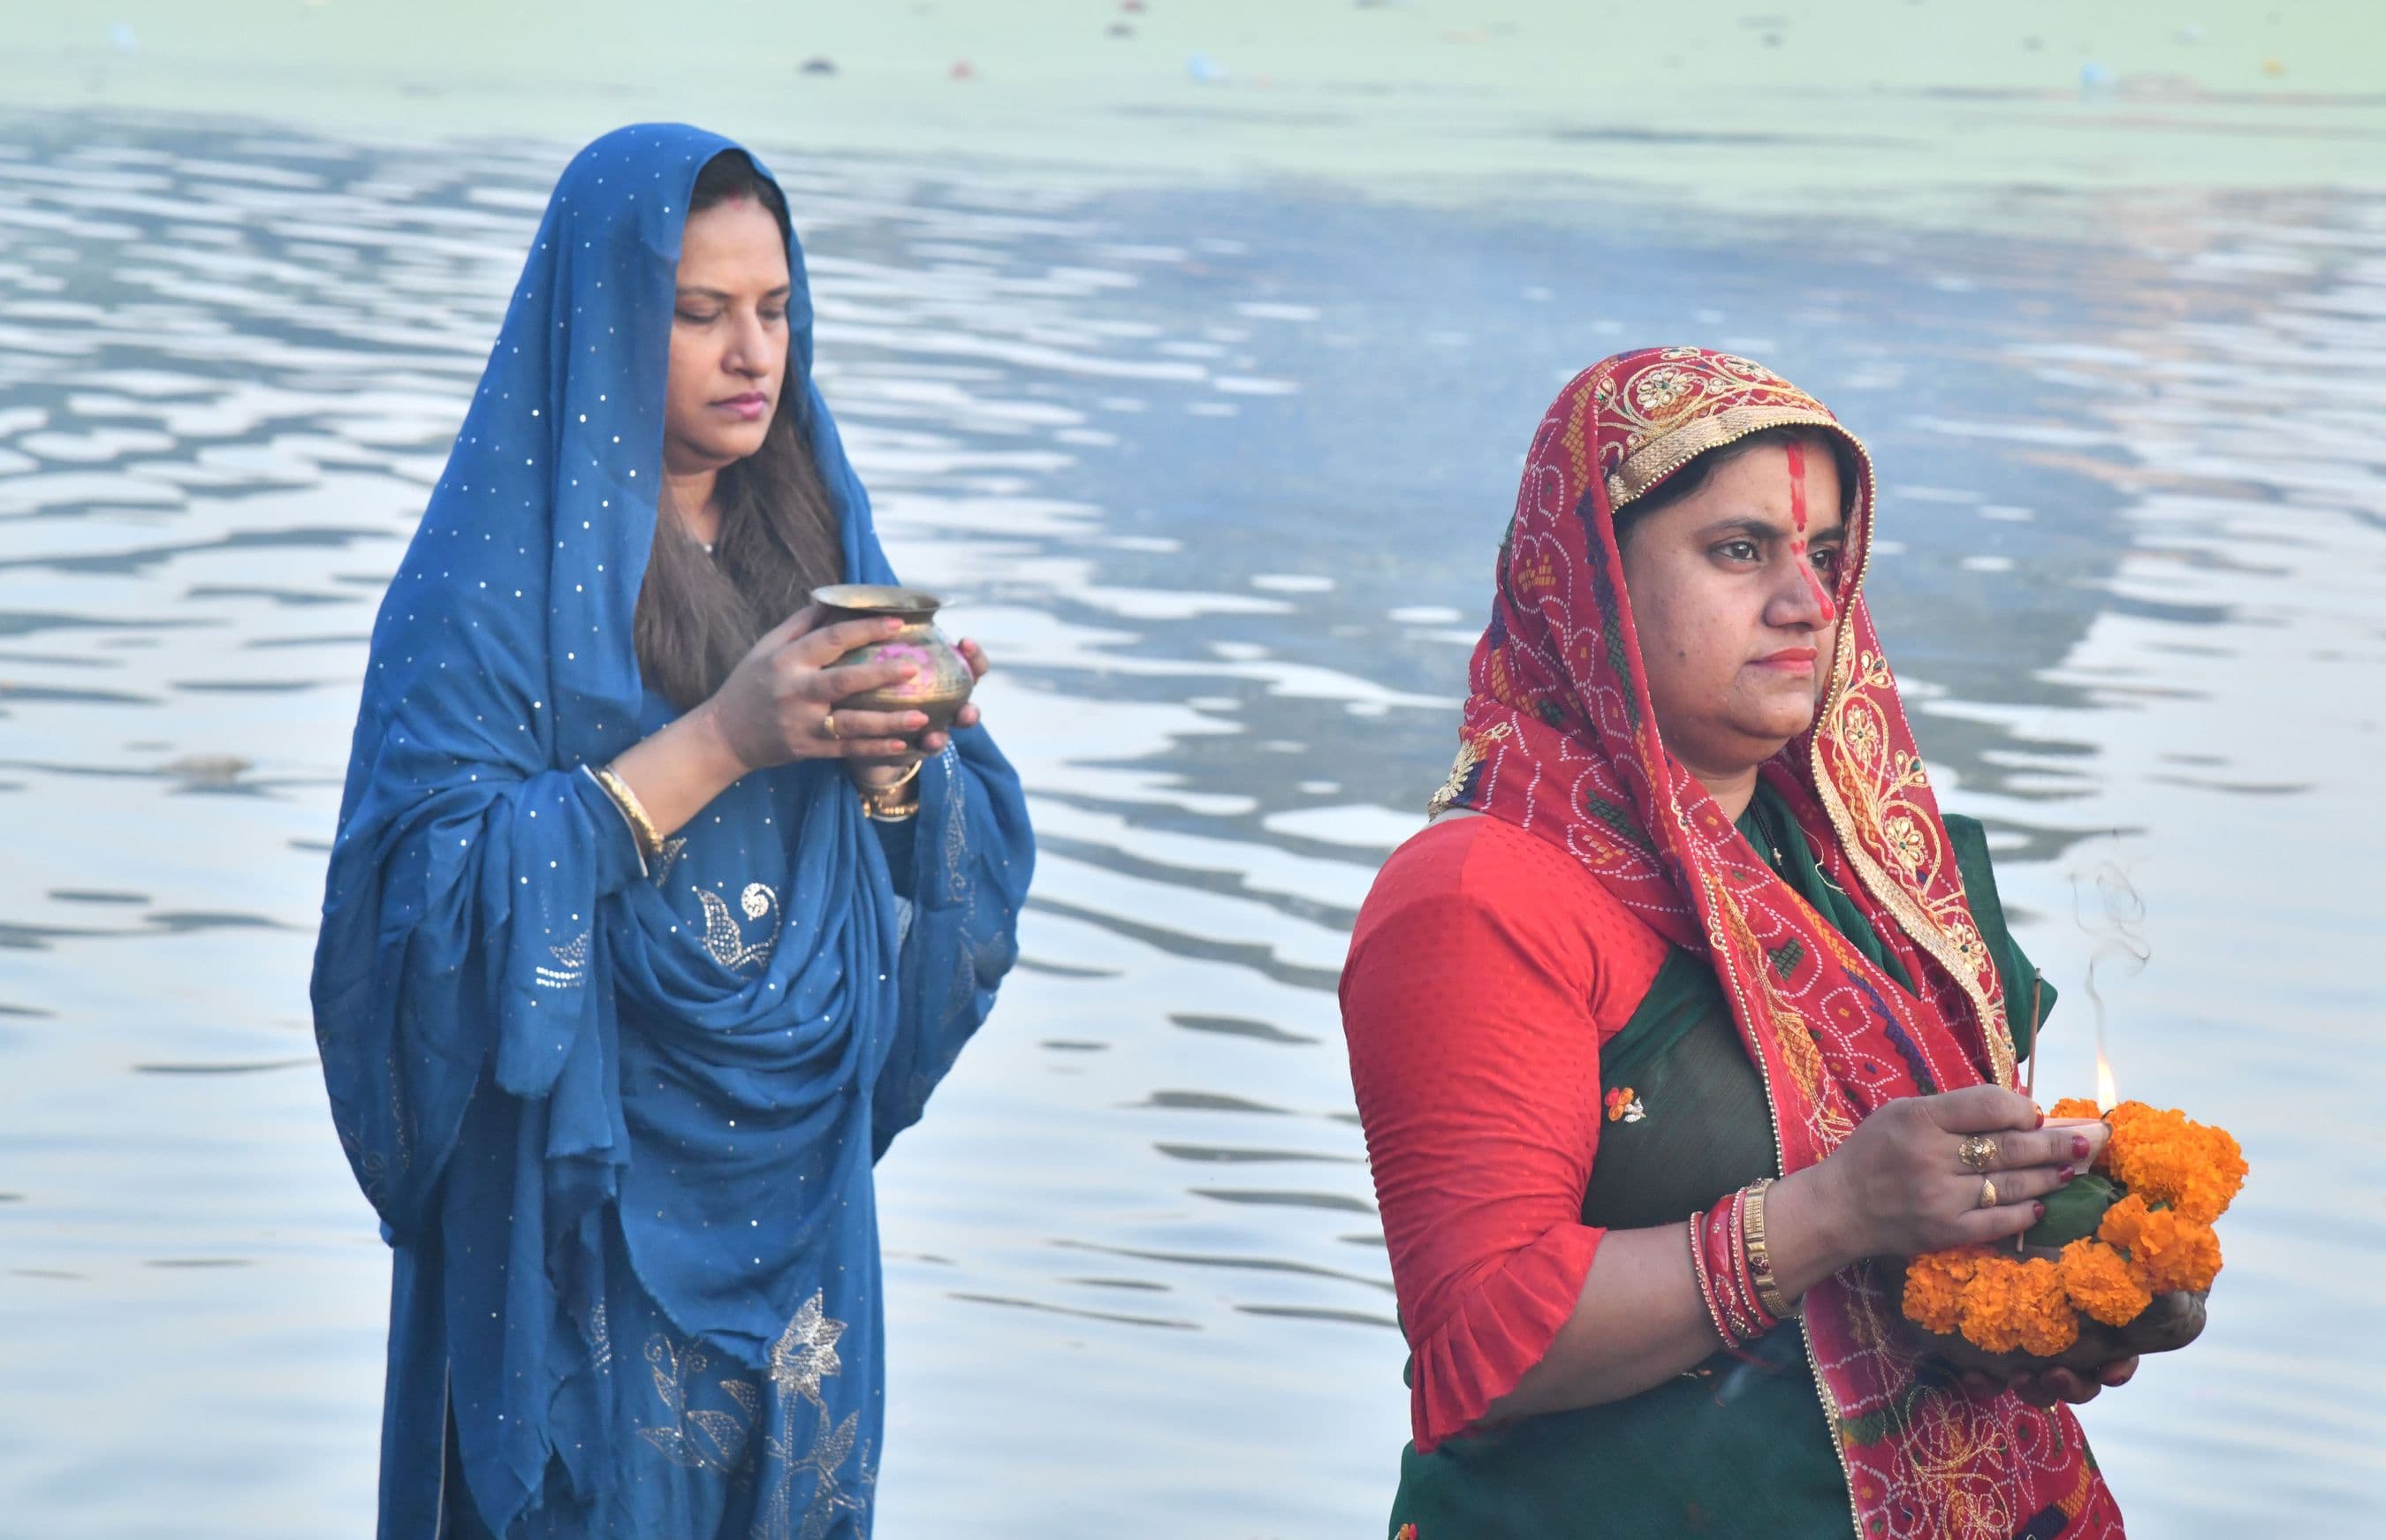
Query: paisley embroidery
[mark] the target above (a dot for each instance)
(725, 939)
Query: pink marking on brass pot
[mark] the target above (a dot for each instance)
(943, 681)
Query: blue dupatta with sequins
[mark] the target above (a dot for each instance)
(576, 1089)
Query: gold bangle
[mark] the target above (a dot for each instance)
(881, 802)
(642, 828)
(1760, 1256)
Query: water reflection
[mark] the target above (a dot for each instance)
(1216, 479)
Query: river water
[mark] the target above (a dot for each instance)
(1216, 477)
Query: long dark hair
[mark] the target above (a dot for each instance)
(698, 615)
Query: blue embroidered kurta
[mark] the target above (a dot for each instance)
(619, 1119)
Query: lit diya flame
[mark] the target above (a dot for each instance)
(2108, 1096)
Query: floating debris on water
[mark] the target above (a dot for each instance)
(208, 770)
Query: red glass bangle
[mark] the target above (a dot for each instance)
(1706, 1280)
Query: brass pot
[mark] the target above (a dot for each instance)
(944, 681)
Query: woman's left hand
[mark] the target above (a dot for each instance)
(2055, 1385)
(874, 773)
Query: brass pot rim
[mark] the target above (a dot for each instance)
(878, 598)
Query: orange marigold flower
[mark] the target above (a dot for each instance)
(2000, 1302)
(1992, 1308)
(2121, 1222)
(2167, 1250)
(2167, 1158)
(2198, 1261)
(2126, 1113)
(2098, 1279)
(2185, 1257)
(2042, 1310)
(2204, 1195)
(1934, 1286)
(1958, 1262)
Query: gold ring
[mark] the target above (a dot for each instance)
(1988, 1193)
(1978, 1154)
(828, 725)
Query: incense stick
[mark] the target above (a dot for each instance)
(2030, 1086)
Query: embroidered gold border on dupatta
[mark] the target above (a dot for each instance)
(1660, 456)
(1944, 928)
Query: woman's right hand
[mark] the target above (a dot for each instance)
(775, 706)
(1898, 1186)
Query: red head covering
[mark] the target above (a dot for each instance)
(1559, 739)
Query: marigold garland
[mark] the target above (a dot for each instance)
(2177, 1176)
(1934, 1285)
(2098, 1279)
(2166, 1249)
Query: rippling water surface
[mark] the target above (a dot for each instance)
(1217, 479)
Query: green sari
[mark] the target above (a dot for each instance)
(1737, 1445)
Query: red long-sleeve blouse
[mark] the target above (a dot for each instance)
(1486, 970)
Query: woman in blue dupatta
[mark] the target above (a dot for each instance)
(635, 952)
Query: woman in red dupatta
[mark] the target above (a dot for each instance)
(1622, 990)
